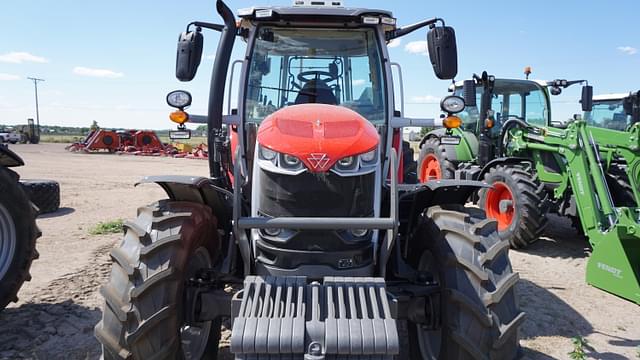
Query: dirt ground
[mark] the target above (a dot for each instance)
(58, 309)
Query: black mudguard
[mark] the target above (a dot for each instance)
(196, 189)
(503, 161)
(8, 158)
(414, 199)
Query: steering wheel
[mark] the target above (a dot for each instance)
(323, 76)
(515, 117)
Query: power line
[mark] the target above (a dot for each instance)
(35, 85)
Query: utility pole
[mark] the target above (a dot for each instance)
(35, 84)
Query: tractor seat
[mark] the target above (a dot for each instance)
(316, 91)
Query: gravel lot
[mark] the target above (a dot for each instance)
(60, 306)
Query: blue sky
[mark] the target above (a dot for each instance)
(113, 61)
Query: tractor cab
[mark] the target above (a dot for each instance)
(614, 111)
(524, 100)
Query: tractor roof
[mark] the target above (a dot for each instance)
(338, 13)
(458, 84)
(605, 97)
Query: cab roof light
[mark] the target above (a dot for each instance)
(264, 13)
(388, 21)
(369, 20)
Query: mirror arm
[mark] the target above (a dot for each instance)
(216, 27)
(390, 35)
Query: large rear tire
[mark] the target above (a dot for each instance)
(621, 189)
(433, 162)
(18, 234)
(144, 308)
(517, 201)
(478, 306)
(45, 194)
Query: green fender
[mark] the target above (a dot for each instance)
(465, 151)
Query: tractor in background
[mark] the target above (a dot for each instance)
(30, 133)
(588, 173)
(302, 233)
(517, 199)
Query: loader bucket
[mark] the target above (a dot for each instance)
(614, 265)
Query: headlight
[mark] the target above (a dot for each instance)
(179, 99)
(267, 154)
(369, 156)
(290, 161)
(347, 163)
(278, 162)
(452, 104)
(359, 232)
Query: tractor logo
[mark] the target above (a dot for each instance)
(318, 160)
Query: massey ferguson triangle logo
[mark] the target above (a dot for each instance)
(318, 160)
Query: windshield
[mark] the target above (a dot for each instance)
(511, 99)
(608, 114)
(330, 66)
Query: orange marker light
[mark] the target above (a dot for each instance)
(179, 117)
(488, 123)
(452, 122)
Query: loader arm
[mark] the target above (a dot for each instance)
(613, 232)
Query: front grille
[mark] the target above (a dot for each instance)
(316, 195)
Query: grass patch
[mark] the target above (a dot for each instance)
(580, 347)
(108, 227)
(60, 139)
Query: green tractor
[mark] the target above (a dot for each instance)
(614, 122)
(570, 162)
(474, 150)
(537, 165)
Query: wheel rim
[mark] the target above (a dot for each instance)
(430, 169)
(8, 240)
(194, 338)
(429, 341)
(500, 205)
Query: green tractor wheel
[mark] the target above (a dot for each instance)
(517, 201)
(433, 162)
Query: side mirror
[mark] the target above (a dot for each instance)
(469, 92)
(587, 98)
(443, 52)
(188, 55)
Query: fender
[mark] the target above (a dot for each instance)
(503, 161)
(431, 193)
(8, 158)
(196, 189)
(438, 192)
(465, 151)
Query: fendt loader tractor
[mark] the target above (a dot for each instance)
(302, 235)
(614, 123)
(517, 197)
(537, 165)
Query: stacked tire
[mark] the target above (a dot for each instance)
(44, 194)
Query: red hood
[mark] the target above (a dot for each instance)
(318, 134)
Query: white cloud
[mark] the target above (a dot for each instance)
(627, 50)
(100, 73)
(20, 57)
(395, 43)
(417, 47)
(359, 82)
(426, 99)
(7, 77)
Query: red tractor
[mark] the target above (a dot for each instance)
(302, 234)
